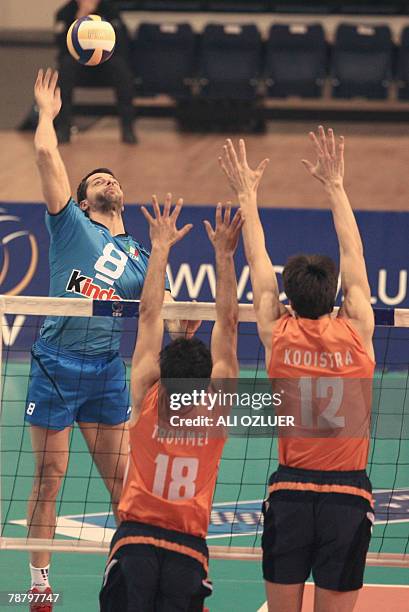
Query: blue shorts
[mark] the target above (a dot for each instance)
(65, 387)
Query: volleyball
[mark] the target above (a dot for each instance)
(91, 40)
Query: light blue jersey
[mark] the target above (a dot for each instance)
(87, 261)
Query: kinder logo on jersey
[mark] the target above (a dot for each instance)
(133, 253)
(84, 285)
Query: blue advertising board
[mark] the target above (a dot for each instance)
(24, 256)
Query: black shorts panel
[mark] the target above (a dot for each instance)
(327, 533)
(149, 578)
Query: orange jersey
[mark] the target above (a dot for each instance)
(330, 396)
(169, 480)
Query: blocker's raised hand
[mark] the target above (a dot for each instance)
(162, 226)
(47, 94)
(329, 167)
(225, 236)
(241, 177)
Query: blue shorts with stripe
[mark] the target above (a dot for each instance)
(65, 387)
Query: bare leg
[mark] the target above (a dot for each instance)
(284, 597)
(50, 450)
(334, 601)
(108, 445)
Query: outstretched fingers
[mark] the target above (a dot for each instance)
(227, 165)
(323, 140)
(155, 205)
(176, 211)
(209, 230)
(227, 213)
(218, 215)
(47, 78)
(262, 166)
(39, 79)
(146, 214)
(308, 165)
(231, 152)
(184, 230)
(316, 144)
(167, 205)
(238, 220)
(331, 143)
(53, 81)
(340, 155)
(242, 152)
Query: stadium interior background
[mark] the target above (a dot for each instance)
(179, 141)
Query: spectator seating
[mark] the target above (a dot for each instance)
(362, 62)
(295, 60)
(230, 62)
(163, 59)
(403, 66)
(227, 72)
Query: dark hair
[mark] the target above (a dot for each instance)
(310, 282)
(82, 187)
(185, 358)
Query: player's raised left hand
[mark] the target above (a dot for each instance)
(242, 179)
(162, 226)
(225, 236)
(329, 167)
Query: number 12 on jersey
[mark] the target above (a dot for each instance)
(329, 388)
(181, 483)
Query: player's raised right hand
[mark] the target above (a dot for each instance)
(242, 179)
(225, 236)
(329, 166)
(47, 94)
(162, 226)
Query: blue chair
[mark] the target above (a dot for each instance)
(295, 61)
(362, 62)
(230, 62)
(163, 59)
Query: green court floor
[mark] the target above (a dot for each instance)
(83, 506)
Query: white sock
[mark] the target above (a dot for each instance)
(39, 577)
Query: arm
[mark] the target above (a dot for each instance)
(180, 329)
(225, 238)
(329, 170)
(54, 179)
(244, 183)
(145, 366)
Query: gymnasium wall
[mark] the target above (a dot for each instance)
(28, 14)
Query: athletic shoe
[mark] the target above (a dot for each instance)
(40, 606)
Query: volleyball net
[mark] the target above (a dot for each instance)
(85, 522)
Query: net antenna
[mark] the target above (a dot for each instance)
(245, 467)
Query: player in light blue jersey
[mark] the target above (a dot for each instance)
(76, 372)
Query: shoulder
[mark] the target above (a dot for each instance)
(361, 330)
(70, 217)
(71, 209)
(147, 401)
(279, 325)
